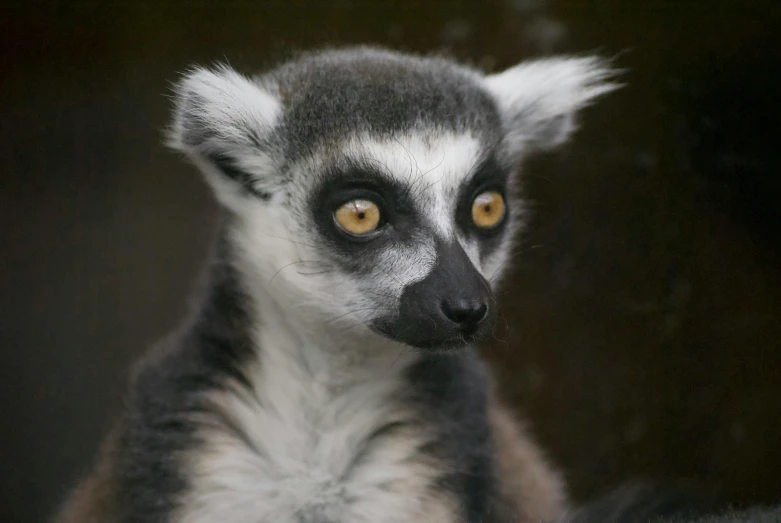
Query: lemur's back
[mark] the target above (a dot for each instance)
(329, 373)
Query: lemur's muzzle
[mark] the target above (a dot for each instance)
(450, 307)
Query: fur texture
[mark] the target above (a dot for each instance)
(325, 377)
(649, 503)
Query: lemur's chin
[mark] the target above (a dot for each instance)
(424, 335)
(450, 345)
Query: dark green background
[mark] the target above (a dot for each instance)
(643, 318)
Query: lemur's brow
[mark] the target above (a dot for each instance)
(359, 170)
(486, 170)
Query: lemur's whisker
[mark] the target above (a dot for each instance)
(431, 170)
(497, 271)
(432, 184)
(292, 241)
(334, 320)
(410, 156)
(369, 159)
(388, 273)
(381, 294)
(290, 265)
(315, 273)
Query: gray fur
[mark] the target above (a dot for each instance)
(374, 92)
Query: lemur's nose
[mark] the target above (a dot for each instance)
(467, 313)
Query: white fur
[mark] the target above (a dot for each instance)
(432, 165)
(312, 407)
(538, 99)
(226, 105)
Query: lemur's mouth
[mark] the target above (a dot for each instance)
(424, 337)
(452, 344)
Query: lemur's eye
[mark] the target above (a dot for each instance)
(358, 217)
(488, 209)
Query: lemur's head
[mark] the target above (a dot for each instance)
(375, 189)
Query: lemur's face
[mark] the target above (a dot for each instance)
(416, 226)
(377, 191)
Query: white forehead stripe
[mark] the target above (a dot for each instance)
(432, 166)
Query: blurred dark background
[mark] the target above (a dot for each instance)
(643, 318)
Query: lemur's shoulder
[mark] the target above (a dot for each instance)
(95, 500)
(530, 484)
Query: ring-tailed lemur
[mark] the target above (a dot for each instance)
(329, 373)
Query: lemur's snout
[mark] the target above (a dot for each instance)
(463, 307)
(450, 307)
(467, 312)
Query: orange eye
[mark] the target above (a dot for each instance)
(488, 209)
(358, 217)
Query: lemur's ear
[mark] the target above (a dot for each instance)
(223, 121)
(538, 99)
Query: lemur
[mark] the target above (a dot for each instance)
(329, 373)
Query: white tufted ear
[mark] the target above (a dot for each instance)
(223, 121)
(538, 99)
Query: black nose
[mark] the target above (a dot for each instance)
(465, 312)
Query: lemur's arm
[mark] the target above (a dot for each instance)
(527, 482)
(93, 500)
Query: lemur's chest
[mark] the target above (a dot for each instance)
(300, 448)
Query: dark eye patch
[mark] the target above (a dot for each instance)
(353, 180)
(489, 176)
